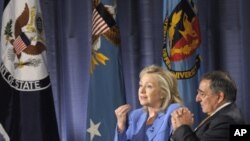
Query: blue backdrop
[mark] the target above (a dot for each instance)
(225, 35)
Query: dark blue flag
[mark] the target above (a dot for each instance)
(26, 100)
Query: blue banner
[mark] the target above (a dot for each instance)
(106, 91)
(181, 41)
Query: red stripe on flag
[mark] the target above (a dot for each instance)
(19, 45)
(99, 26)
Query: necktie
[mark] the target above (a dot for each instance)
(202, 122)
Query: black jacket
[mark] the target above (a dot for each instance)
(216, 128)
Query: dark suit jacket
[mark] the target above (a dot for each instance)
(216, 128)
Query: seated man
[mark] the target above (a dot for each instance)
(216, 95)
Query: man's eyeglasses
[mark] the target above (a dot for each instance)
(201, 93)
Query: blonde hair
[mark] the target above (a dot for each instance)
(168, 84)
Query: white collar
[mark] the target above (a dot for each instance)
(219, 108)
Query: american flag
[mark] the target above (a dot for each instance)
(101, 20)
(21, 43)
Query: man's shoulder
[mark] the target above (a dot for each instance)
(228, 118)
(230, 113)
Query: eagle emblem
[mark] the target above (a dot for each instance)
(23, 48)
(27, 38)
(103, 25)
